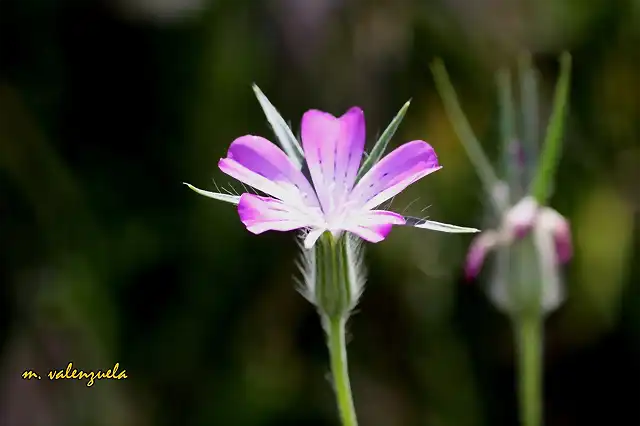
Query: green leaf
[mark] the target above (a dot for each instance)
(463, 129)
(381, 145)
(233, 199)
(529, 111)
(282, 131)
(545, 173)
(511, 167)
(445, 227)
(529, 105)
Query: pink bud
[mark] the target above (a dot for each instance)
(555, 223)
(521, 218)
(480, 247)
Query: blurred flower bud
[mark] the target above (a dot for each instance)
(530, 245)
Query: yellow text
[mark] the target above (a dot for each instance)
(90, 376)
(29, 374)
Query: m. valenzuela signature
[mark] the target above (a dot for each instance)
(72, 374)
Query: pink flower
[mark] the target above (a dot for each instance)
(332, 200)
(524, 219)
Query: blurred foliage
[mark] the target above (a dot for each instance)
(106, 107)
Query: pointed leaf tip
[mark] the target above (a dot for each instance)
(445, 227)
(543, 181)
(283, 132)
(232, 199)
(381, 145)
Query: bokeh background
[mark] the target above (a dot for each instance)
(107, 106)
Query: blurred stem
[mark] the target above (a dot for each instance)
(340, 371)
(465, 133)
(545, 173)
(529, 349)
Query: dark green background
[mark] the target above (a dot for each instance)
(106, 107)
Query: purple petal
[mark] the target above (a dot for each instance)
(257, 162)
(555, 223)
(373, 234)
(480, 246)
(374, 225)
(260, 214)
(399, 169)
(333, 148)
(352, 138)
(562, 236)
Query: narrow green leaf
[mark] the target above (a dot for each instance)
(511, 166)
(282, 131)
(233, 199)
(463, 129)
(381, 145)
(529, 105)
(552, 149)
(445, 227)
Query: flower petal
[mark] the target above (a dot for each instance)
(373, 234)
(257, 162)
(548, 261)
(558, 226)
(312, 237)
(478, 251)
(333, 148)
(399, 169)
(374, 225)
(562, 236)
(260, 214)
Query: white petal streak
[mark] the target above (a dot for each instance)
(257, 162)
(312, 237)
(260, 214)
(281, 190)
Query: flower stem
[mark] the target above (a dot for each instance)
(529, 349)
(339, 370)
